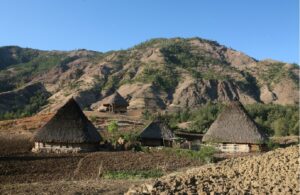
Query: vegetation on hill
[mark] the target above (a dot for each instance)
(276, 72)
(275, 120)
(10, 55)
(34, 105)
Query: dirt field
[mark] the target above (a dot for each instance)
(107, 187)
(23, 172)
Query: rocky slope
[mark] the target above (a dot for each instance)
(275, 172)
(157, 74)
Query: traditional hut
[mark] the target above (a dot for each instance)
(234, 131)
(157, 134)
(190, 140)
(68, 131)
(114, 103)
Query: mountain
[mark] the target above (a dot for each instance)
(156, 74)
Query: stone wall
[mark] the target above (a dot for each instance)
(63, 147)
(224, 147)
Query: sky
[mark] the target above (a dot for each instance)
(260, 28)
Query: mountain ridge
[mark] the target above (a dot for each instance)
(157, 74)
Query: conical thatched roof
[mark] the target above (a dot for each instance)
(234, 125)
(68, 125)
(115, 99)
(157, 130)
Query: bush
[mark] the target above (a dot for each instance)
(271, 145)
(93, 118)
(133, 174)
(113, 127)
(113, 130)
(205, 154)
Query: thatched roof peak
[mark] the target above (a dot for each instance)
(115, 99)
(234, 125)
(157, 130)
(68, 125)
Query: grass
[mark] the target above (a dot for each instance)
(205, 154)
(133, 174)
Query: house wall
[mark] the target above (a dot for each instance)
(151, 142)
(113, 108)
(63, 147)
(255, 148)
(224, 147)
(168, 143)
(120, 109)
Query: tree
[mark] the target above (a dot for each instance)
(113, 129)
(280, 127)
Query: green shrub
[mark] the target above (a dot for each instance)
(271, 145)
(113, 127)
(93, 118)
(133, 174)
(165, 78)
(205, 154)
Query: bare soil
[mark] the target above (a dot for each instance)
(107, 187)
(23, 172)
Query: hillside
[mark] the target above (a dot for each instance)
(157, 74)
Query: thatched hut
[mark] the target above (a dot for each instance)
(192, 141)
(114, 103)
(235, 131)
(68, 130)
(157, 134)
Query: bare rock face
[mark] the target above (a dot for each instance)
(274, 172)
(266, 95)
(283, 93)
(238, 59)
(143, 96)
(191, 93)
(286, 93)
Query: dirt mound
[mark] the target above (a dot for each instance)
(271, 173)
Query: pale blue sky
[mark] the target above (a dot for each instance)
(260, 28)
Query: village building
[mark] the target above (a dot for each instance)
(157, 134)
(68, 131)
(235, 131)
(114, 103)
(189, 140)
